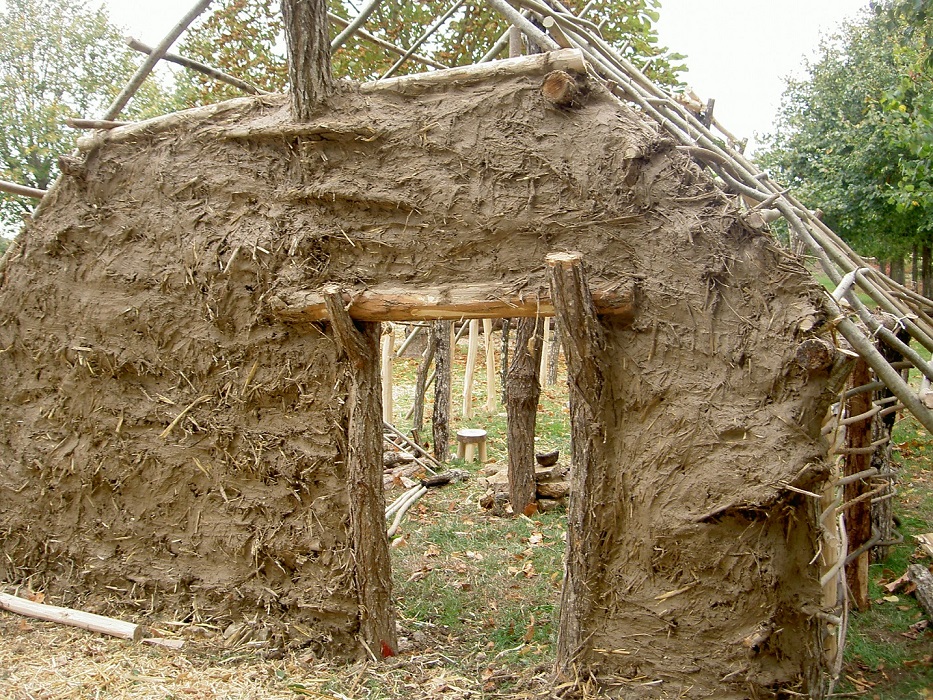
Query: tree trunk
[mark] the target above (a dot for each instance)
(897, 268)
(915, 267)
(553, 356)
(858, 516)
(372, 569)
(591, 514)
(927, 270)
(308, 42)
(441, 417)
(523, 392)
(421, 382)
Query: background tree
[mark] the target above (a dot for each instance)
(851, 139)
(245, 38)
(57, 60)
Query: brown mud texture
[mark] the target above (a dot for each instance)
(174, 434)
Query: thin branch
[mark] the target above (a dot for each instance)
(197, 66)
(158, 52)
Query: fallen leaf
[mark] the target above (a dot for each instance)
(432, 551)
(530, 630)
(891, 599)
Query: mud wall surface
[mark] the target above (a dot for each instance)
(160, 277)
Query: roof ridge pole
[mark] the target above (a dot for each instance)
(309, 73)
(360, 20)
(158, 52)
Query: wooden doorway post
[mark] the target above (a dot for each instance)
(590, 516)
(368, 540)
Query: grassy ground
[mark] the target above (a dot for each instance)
(477, 600)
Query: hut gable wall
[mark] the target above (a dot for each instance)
(170, 277)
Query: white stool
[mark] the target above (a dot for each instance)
(467, 440)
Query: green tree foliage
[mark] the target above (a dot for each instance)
(850, 145)
(57, 60)
(244, 38)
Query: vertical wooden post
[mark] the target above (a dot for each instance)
(553, 357)
(591, 515)
(372, 569)
(421, 382)
(545, 352)
(470, 373)
(308, 42)
(504, 358)
(388, 345)
(523, 392)
(490, 366)
(858, 459)
(441, 416)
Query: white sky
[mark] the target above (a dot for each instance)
(738, 51)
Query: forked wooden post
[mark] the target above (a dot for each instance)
(590, 516)
(372, 569)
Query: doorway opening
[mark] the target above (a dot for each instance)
(474, 581)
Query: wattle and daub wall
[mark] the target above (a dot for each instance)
(162, 276)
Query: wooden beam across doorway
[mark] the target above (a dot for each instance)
(384, 303)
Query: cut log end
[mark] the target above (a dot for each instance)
(815, 355)
(560, 88)
(564, 260)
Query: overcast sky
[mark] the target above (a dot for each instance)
(738, 51)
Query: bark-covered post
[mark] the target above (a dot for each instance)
(421, 383)
(308, 42)
(504, 358)
(857, 460)
(522, 393)
(372, 568)
(591, 515)
(441, 417)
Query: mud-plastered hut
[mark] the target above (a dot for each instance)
(189, 394)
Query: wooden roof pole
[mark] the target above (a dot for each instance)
(158, 52)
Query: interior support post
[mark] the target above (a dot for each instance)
(441, 416)
(590, 516)
(359, 342)
(857, 460)
(522, 394)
